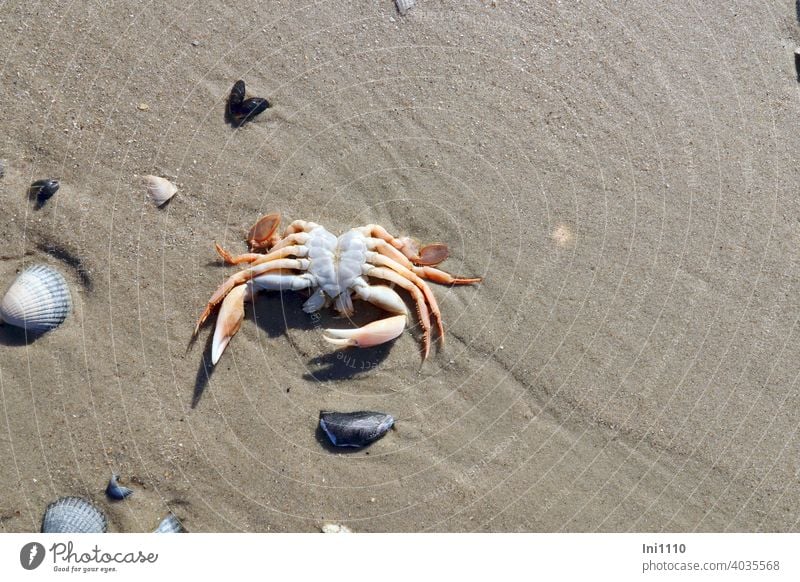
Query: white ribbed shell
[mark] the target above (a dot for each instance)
(170, 524)
(159, 189)
(38, 300)
(404, 6)
(73, 515)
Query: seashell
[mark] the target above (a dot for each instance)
(236, 97)
(2, 168)
(404, 6)
(335, 528)
(354, 429)
(38, 300)
(117, 491)
(170, 524)
(240, 110)
(253, 106)
(43, 190)
(73, 515)
(159, 190)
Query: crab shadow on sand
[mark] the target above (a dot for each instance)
(275, 314)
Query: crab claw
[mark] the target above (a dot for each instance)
(229, 321)
(372, 334)
(264, 233)
(432, 254)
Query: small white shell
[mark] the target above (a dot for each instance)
(335, 528)
(404, 6)
(38, 300)
(159, 190)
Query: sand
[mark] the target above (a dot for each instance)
(622, 175)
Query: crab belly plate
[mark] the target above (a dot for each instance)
(336, 263)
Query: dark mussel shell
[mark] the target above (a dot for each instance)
(354, 429)
(43, 190)
(117, 491)
(253, 106)
(241, 110)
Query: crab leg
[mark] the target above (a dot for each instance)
(372, 334)
(431, 254)
(229, 321)
(439, 276)
(377, 332)
(380, 260)
(258, 258)
(231, 313)
(419, 299)
(243, 277)
(299, 226)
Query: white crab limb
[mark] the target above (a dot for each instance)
(377, 332)
(372, 334)
(229, 321)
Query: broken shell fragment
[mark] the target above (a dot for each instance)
(37, 301)
(170, 524)
(43, 190)
(354, 429)
(159, 190)
(117, 491)
(73, 515)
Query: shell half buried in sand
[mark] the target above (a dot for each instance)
(404, 6)
(37, 301)
(73, 515)
(170, 524)
(159, 190)
(354, 429)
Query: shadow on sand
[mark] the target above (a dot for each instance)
(276, 313)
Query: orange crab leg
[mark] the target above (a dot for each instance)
(407, 274)
(431, 254)
(422, 309)
(258, 259)
(243, 277)
(440, 276)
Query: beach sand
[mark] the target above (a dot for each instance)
(622, 175)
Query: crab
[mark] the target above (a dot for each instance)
(358, 263)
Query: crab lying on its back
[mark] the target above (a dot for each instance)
(336, 269)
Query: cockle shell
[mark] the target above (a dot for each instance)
(354, 429)
(170, 524)
(404, 6)
(38, 300)
(159, 190)
(73, 515)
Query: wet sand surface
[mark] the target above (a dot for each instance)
(622, 175)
